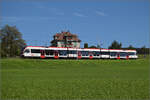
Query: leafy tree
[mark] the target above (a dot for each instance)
(115, 45)
(130, 47)
(11, 41)
(85, 45)
(143, 50)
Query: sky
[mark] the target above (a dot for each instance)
(94, 21)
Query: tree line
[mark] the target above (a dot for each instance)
(12, 43)
(116, 45)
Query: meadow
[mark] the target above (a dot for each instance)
(45, 79)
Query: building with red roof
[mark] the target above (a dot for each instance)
(66, 39)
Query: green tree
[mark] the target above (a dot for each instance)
(143, 50)
(85, 45)
(130, 47)
(115, 45)
(11, 41)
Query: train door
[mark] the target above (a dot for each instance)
(79, 54)
(118, 55)
(42, 53)
(90, 55)
(56, 55)
(127, 56)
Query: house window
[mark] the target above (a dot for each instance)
(75, 44)
(56, 37)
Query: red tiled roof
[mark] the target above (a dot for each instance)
(60, 36)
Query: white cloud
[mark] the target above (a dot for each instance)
(100, 13)
(79, 14)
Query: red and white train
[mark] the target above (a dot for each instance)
(77, 53)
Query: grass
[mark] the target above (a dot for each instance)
(74, 79)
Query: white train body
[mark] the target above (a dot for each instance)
(75, 53)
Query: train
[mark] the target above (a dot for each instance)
(77, 53)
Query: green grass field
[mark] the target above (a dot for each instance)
(74, 79)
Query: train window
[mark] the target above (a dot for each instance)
(113, 53)
(63, 52)
(75, 52)
(35, 50)
(72, 52)
(27, 51)
(84, 53)
(105, 53)
(49, 52)
(123, 54)
(131, 53)
(96, 53)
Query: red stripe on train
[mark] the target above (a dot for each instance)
(79, 57)
(56, 57)
(91, 57)
(42, 56)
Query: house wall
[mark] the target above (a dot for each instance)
(60, 44)
(74, 44)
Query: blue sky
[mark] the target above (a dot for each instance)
(94, 22)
